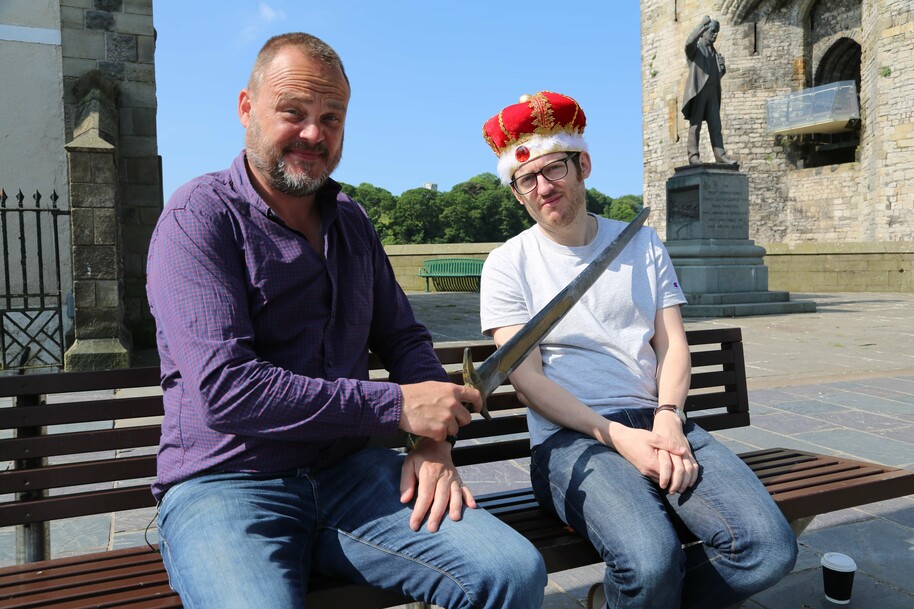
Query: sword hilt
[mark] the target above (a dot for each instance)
(471, 379)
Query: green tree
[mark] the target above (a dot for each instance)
(481, 210)
(625, 208)
(416, 218)
(378, 203)
(598, 203)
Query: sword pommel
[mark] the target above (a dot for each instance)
(471, 379)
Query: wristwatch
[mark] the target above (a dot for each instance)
(680, 412)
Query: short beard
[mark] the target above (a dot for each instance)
(274, 166)
(300, 185)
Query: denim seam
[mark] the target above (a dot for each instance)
(411, 559)
(718, 555)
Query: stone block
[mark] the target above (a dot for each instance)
(84, 294)
(103, 169)
(95, 262)
(96, 354)
(107, 294)
(82, 226)
(83, 44)
(97, 322)
(114, 6)
(139, 7)
(113, 69)
(134, 24)
(99, 20)
(92, 195)
(105, 226)
(145, 49)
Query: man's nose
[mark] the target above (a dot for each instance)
(543, 184)
(310, 132)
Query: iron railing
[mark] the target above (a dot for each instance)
(31, 304)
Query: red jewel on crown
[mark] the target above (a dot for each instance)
(522, 154)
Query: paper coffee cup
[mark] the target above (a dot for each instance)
(838, 577)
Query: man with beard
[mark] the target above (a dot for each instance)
(269, 286)
(613, 456)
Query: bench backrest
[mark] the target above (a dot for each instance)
(78, 451)
(455, 267)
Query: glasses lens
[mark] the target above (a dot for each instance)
(556, 171)
(525, 183)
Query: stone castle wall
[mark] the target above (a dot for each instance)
(773, 48)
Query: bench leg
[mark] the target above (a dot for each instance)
(799, 525)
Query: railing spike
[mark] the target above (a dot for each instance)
(37, 198)
(3, 198)
(54, 197)
(20, 197)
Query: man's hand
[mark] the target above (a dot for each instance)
(666, 460)
(678, 470)
(436, 410)
(439, 490)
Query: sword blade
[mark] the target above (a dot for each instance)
(495, 369)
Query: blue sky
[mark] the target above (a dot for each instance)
(425, 76)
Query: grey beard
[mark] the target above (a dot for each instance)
(295, 186)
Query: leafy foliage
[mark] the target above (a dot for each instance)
(476, 211)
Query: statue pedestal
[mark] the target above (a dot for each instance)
(721, 270)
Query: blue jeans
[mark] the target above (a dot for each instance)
(746, 546)
(234, 540)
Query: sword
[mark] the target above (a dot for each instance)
(495, 369)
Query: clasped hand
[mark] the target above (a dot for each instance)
(663, 454)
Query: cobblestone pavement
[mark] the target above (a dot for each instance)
(837, 381)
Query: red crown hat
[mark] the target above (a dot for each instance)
(539, 124)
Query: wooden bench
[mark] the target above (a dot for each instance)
(64, 470)
(452, 274)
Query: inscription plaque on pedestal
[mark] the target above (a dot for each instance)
(711, 204)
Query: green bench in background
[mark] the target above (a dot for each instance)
(452, 274)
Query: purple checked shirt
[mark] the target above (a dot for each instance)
(263, 343)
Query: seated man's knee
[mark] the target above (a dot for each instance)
(515, 576)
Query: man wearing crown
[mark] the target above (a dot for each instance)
(613, 454)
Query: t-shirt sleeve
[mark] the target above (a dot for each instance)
(669, 290)
(501, 295)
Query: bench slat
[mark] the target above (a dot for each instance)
(78, 504)
(81, 412)
(80, 442)
(77, 474)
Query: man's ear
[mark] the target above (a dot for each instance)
(244, 107)
(584, 159)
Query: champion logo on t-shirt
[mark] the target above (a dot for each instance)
(675, 284)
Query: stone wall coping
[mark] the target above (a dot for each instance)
(873, 247)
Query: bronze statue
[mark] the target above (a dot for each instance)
(701, 99)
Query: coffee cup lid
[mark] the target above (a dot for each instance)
(838, 562)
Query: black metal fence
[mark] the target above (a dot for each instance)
(31, 304)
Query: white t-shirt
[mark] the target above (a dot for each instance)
(601, 350)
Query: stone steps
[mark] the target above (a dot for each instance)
(743, 304)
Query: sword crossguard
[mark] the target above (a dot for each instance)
(471, 379)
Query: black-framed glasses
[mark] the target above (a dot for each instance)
(553, 172)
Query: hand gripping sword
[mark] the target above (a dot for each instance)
(495, 369)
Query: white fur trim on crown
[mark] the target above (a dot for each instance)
(538, 145)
